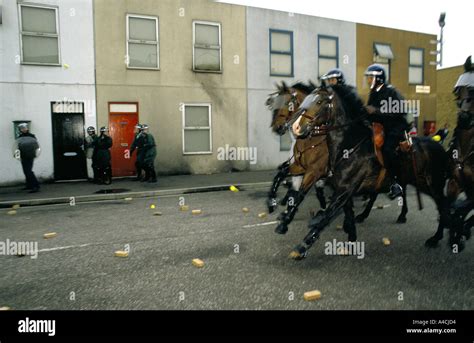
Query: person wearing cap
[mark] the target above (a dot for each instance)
(27, 149)
(394, 122)
(334, 77)
(91, 152)
(137, 144)
(102, 146)
(149, 155)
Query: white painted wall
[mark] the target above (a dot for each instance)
(27, 90)
(260, 83)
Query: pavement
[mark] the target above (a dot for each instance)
(61, 192)
(246, 265)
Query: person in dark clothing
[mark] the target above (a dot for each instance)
(27, 149)
(137, 144)
(102, 146)
(91, 151)
(149, 155)
(386, 106)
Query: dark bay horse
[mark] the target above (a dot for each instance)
(461, 151)
(333, 113)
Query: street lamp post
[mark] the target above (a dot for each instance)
(442, 23)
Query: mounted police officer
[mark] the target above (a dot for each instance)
(27, 149)
(102, 146)
(382, 109)
(137, 144)
(91, 152)
(334, 77)
(149, 155)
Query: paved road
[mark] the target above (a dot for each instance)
(246, 266)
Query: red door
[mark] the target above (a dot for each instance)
(122, 121)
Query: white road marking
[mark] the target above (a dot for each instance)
(261, 224)
(66, 247)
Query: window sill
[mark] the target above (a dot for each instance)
(208, 71)
(138, 68)
(197, 153)
(41, 64)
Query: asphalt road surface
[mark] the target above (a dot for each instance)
(246, 263)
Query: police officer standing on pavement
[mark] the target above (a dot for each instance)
(149, 155)
(137, 144)
(90, 152)
(382, 98)
(102, 146)
(27, 149)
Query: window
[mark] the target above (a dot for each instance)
(328, 54)
(281, 53)
(142, 42)
(383, 55)
(285, 142)
(415, 70)
(39, 35)
(197, 138)
(207, 53)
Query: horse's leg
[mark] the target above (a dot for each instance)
(319, 186)
(288, 185)
(320, 221)
(459, 227)
(444, 220)
(363, 216)
(349, 221)
(283, 171)
(402, 218)
(295, 199)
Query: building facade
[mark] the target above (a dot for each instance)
(196, 71)
(406, 57)
(290, 47)
(47, 80)
(178, 66)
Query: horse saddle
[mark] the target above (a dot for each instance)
(378, 139)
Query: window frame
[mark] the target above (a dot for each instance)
(22, 33)
(422, 66)
(389, 63)
(277, 52)
(134, 41)
(336, 38)
(211, 23)
(196, 128)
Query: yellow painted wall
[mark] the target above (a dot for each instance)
(446, 110)
(400, 41)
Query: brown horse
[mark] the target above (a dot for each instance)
(461, 151)
(338, 114)
(309, 161)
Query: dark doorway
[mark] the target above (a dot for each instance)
(68, 141)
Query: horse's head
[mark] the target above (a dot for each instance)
(316, 110)
(464, 88)
(283, 104)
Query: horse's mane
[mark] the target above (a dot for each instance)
(307, 89)
(350, 101)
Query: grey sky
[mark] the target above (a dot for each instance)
(412, 15)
